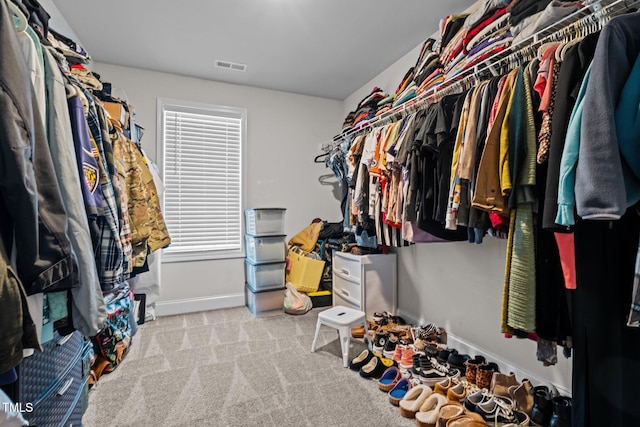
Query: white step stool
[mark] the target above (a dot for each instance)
(342, 319)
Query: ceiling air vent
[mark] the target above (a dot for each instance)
(231, 65)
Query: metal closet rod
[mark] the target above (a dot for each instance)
(587, 20)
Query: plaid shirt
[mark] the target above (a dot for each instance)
(109, 252)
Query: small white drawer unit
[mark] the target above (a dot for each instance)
(365, 282)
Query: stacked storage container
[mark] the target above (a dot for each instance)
(265, 247)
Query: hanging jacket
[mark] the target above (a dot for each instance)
(31, 202)
(600, 182)
(18, 331)
(149, 231)
(88, 307)
(489, 195)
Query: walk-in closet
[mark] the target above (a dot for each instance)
(297, 213)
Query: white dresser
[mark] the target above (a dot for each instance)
(365, 282)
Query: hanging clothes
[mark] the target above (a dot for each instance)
(32, 208)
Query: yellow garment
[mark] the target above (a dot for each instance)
(505, 173)
(307, 238)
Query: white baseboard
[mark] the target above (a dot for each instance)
(465, 347)
(190, 305)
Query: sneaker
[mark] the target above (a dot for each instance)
(456, 360)
(428, 332)
(471, 401)
(432, 372)
(498, 410)
(406, 362)
(417, 357)
(443, 355)
(379, 342)
(390, 347)
(397, 353)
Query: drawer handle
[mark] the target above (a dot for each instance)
(345, 271)
(345, 293)
(65, 387)
(63, 340)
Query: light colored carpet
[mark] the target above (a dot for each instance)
(229, 368)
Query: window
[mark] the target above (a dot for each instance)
(201, 156)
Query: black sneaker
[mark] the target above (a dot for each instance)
(456, 360)
(498, 410)
(443, 355)
(432, 372)
(390, 347)
(379, 342)
(417, 363)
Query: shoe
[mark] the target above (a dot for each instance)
(458, 361)
(417, 363)
(485, 374)
(360, 360)
(471, 401)
(542, 408)
(497, 410)
(397, 353)
(390, 346)
(357, 332)
(472, 368)
(397, 393)
(413, 400)
(374, 369)
(500, 384)
(428, 332)
(467, 420)
(448, 412)
(457, 393)
(379, 342)
(443, 386)
(389, 379)
(443, 355)
(431, 372)
(406, 361)
(522, 395)
(523, 420)
(427, 415)
(561, 412)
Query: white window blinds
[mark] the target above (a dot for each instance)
(202, 159)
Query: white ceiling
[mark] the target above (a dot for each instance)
(327, 48)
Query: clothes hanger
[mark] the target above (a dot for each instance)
(20, 20)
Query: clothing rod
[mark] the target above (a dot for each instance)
(598, 9)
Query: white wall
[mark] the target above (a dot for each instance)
(459, 285)
(284, 133)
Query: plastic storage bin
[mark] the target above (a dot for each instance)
(305, 272)
(264, 221)
(265, 249)
(264, 276)
(263, 301)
